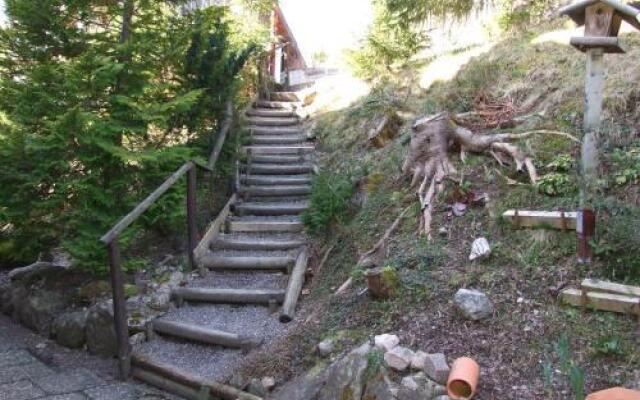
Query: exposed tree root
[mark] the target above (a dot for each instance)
(428, 159)
(380, 251)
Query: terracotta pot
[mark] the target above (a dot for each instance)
(463, 379)
(615, 394)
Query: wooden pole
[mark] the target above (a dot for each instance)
(594, 93)
(296, 280)
(119, 310)
(191, 215)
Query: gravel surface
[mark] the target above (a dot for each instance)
(253, 218)
(253, 253)
(244, 280)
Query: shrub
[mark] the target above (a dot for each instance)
(329, 199)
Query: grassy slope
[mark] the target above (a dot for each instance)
(522, 346)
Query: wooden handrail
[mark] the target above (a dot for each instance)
(110, 239)
(145, 204)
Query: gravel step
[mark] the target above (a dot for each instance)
(281, 159)
(300, 149)
(229, 296)
(274, 191)
(242, 279)
(287, 105)
(265, 224)
(274, 121)
(278, 139)
(200, 334)
(278, 169)
(275, 130)
(270, 208)
(218, 261)
(258, 242)
(270, 112)
(275, 180)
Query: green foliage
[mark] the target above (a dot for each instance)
(90, 125)
(417, 11)
(329, 200)
(610, 346)
(627, 165)
(387, 49)
(573, 372)
(518, 16)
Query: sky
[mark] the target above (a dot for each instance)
(327, 25)
(2, 18)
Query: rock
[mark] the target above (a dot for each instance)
(419, 387)
(101, 334)
(386, 342)
(418, 360)
(380, 388)
(15, 295)
(473, 304)
(161, 299)
(480, 249)
(94, 290)
(436, 368)
(325, 348)
(255, 387)
(69, 329)
(268, 383)
(345, 379)
(443, 397)
(409, 382)
(443, 231)
(398, 358)
(138, 339)
(40, 309)
(32, 271)
(363, 349)
(6, 306)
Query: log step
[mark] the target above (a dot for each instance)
(257, 242)
(199, 334)
(275, 191)
(279, 139)
(283, 150)
(229, 296)
(275, 130)
(278, 105)
(282, 159)
(246, 263)
(271, 208)
(256, 224)
(279, 169)
(271, 113)
(275, 180)
(179, 382)
(264, 121)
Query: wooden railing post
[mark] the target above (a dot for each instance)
(119, 310)
(191, 214)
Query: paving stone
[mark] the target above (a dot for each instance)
(116, 391)
(37, 370)
(12, 374)
(16, 357)
(69, 396)
(20, 390)
(67, 382)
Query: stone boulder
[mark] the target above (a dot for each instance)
(419, 387)
(386, 341)
(15, 295)
(399, 358)
(40, 308)
(326, 347)
(380, 388)
(473, 304)
(101, 333)
(69, 329)
(346, 378)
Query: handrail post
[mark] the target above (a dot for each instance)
(119, 310)
(191, 214)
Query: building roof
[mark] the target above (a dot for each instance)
(576, 11)
(285, 31)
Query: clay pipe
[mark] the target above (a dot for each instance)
(463, 379)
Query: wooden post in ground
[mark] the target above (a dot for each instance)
(119, 311)
(192, 226)
(602, 20)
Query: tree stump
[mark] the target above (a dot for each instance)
(382, 282)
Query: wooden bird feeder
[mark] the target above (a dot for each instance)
(601, 20)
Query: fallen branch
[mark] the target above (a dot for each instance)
(372, 257)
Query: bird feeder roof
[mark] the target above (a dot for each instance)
(577, 11)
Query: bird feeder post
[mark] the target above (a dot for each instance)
(602, 20)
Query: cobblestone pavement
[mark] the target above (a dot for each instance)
(32, 367)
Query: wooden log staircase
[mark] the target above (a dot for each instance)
(251, 261)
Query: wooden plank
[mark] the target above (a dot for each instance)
(145, 204)
(294, 287)
(217, 389)
(542, 219)
(610, 45)
(199, 334)
(212, 232)
(601, 301)
(595, 285)
(165, 384)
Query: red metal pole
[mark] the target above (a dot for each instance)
(585, 228)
